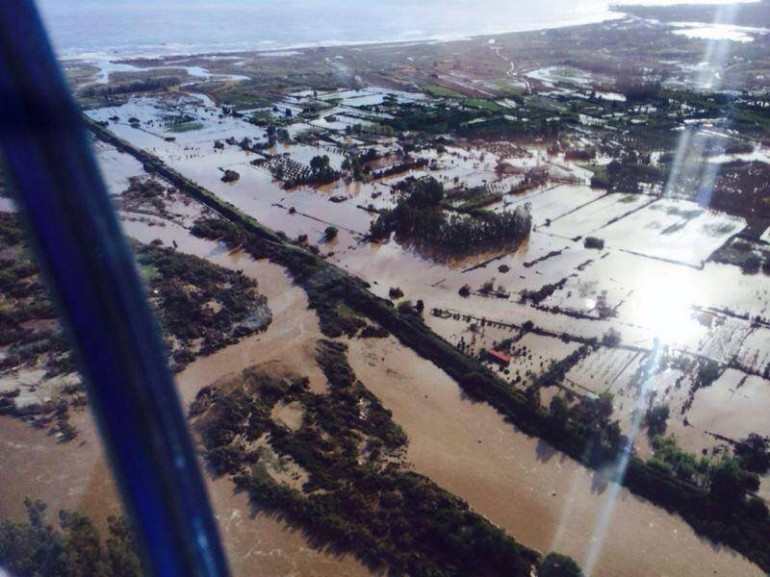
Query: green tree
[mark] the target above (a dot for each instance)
(426, 193)
(330, 233)
(656, 420)
(556, 565)
(319, 164)
(753, 452)
(85, 555)
(751, 264)
(122, 558)
(36, 549)
(726, 487)
(559, 409)
(604, 406)
(33, 548)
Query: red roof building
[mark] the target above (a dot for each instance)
(499, 357)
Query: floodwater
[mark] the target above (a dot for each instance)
(718, 31)
(651, 298)
(7, 205)
(256, 544)
(264, 547)
(33, 466)
(542, 498)
(288, 345)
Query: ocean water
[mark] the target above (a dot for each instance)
(122, 28)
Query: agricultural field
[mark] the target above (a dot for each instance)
(673, 230)
(592, 218)
(555, 202)
(734, 406)
(418, 206)
(606, 369)
(753, 352)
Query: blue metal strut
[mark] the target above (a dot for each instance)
(102, 304)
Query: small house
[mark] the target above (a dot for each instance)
(497, 357)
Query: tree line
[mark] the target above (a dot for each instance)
(421, 219)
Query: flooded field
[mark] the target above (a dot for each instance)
(606, 369)
(677, 231)
(553, 203)
(646, 282)
(116, 167)
(642, 298)
(731, 407)
(255, 543)
(596, 215)
(535, 493)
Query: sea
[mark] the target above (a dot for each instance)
(114, 29)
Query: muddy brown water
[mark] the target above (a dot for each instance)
(31, 462)
(542, 498)
(257, 545)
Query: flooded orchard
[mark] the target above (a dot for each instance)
(538, 495)
(505, 475)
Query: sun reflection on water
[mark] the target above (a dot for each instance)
(666, 306)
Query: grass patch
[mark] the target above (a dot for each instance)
(241, 99)
(442, 91)
(482, 104)
(185, 127)
(149, 273)
(599, 170)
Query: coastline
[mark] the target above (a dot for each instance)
(160, 53)
(180, 46)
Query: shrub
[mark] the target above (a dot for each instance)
(555, 565)
(395, 293)
(593, 242)
(330, 233)
(655, 419)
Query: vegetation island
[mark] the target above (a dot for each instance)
(573, 225)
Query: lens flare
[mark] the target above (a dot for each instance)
(665, 307)
(665, 304)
